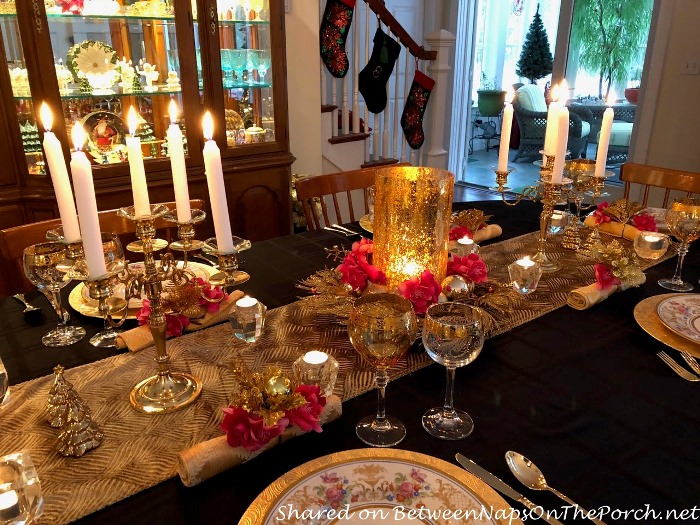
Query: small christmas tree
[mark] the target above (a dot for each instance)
(80, 433)
(60, 395)
(535, 58)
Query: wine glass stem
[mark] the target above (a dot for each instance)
(55, 298)
(682, 250)
(449, 407)
(381, 380)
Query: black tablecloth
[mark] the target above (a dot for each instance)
(580, 393)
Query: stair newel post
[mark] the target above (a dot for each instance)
(439, 69)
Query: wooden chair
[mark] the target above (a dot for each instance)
(654, 177)
(14, 240)
(339, 186)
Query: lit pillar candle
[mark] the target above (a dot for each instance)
(550, 134)
(504, 145)
(59, 176)
(217, 189)
(562, 142)
(139, 187)
(87, 206)
(177, 165)
(601, 158)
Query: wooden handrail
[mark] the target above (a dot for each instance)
(397, 29)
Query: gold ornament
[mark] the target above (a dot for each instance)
(472, 219)
(60, 395)
(455, 287)
(623, 210)
(80, 433)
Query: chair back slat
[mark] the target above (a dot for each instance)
(339, 186)
(656, 177)
(14, 240)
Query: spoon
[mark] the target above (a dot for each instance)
(529, 475)
(27, 307)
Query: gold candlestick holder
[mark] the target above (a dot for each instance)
(101, 290)
(546, 191)
(166, 391)
(229, 275)
(186, 233)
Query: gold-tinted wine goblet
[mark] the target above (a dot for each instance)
(683, 220)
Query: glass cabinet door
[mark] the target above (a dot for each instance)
(14, 55)
(110, 56)
(244, 54)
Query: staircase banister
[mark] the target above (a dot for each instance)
(397, 29)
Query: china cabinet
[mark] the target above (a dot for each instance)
(92, 60)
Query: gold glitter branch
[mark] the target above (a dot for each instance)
(472, 219)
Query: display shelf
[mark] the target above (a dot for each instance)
(226, 22)
(76, 93)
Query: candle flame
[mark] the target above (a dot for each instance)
(132, 120)
(554, 93)
(46, 116)
(611, 98)
(78, 135)
(510, 95)
(208, 125)
(172, 110)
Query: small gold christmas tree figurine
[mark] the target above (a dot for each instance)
(80, 434)
(59, 396)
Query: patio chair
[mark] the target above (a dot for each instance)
(531, 113)
(14, 240)
(666, 179)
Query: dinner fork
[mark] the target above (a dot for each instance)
(692, 362)
(678, 369)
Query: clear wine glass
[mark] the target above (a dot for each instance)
(227, 66)
(264, 62)
(42, 266)
(238, 62)
(453, 335)
(382, 327)
(683, 220)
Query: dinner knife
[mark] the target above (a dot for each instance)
(496, 483)
(339, 231)
(347, 230)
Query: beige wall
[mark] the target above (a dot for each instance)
(303, 81)
(674, 138)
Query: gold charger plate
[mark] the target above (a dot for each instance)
(366, 224)
(645, 313)
(81, 302)
(377, 486)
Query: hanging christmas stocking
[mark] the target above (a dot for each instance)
(412, 117)
(374, 76)
(335, 24)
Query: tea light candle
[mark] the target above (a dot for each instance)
(465, 246)
(9, 506)
(246, 302)
(651, 245)
(315, 357)
(558, 222)
(525, 275)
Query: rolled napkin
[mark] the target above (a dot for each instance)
(209, 458)
(582, 298)
(139, 338)
(616, 229)
(490, 231)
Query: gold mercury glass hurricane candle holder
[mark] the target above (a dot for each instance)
(411, 221)
(166, 391)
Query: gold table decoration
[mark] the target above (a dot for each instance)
(186, 232)
(166, 391)
(229, 275)
(411, 223)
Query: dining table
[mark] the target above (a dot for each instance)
(580, 393)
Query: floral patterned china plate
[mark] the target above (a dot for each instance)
(681, 314)
(378, 486)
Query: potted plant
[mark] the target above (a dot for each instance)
(632, 92)
(490, 99)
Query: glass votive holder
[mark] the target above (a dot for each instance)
(464, 247)
(21, 500)
(651, 245)
(558, 222)
(524, 275)
(316, 368)
(247, 318)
